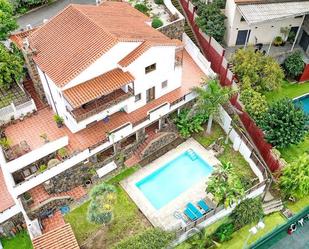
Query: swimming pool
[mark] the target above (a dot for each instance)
(303, 101)
(175, 177)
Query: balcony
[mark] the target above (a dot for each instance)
(94, 107)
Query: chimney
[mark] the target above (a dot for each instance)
(98, 2)
(45, 21)
(28, 27)
(25, 43)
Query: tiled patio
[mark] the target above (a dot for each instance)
(164, 217)
(31, 128)
(40, 195)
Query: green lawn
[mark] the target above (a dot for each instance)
(298, 206)
(229, 155)
(20, 241)
(127, 219)
(288, 90)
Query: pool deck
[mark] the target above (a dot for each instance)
(164, 217)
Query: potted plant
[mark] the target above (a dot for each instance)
(62, 153)
(59, 120)
(42, 168)
(5, 143)
(44, 137)
(278, 41)
(28, 198)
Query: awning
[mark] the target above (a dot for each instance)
(97, 87)
(259, 13)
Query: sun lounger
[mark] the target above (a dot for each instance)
(190, 214)
(203, 205)
(194, 210)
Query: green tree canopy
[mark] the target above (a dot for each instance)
(209, 98)
(11, 67)
(262, 72)
(226, 185)
(247, 211)
(153, 238)
(211, 20)
(294, 180)
(7, 20)
(294, 64)
(284, 123)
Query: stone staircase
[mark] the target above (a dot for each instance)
(272, 206)
(29, 87)
(187, 28)
(136, 157)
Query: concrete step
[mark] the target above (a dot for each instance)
(272, 206)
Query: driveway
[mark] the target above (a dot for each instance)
(36, 18)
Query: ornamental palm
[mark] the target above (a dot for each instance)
(209, 98)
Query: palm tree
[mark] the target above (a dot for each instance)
(209, 98)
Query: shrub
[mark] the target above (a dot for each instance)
(263, 73)
(58, 119)
(284, 123)
(294, 181)
(246, 212)
(220, 3)
(278, 41)
(150, 239)
(224, 232)
(7, 20)
(255, 103)
(188, 125)
(42, 168)
(159, 1)
(5, 143)
(294, 64)
(211, 20)
(100, 210)
(142, 8)
(156, 23)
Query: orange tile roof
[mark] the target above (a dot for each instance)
(62, 237)
(6, 200)
(142, 48)
(97, 87)
(80, 34)
(18, 37)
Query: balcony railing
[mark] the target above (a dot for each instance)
(100, 104)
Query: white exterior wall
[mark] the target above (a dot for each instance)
(264, 32)
(164, 57)
(105, 63)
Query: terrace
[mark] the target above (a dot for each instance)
(31, 129)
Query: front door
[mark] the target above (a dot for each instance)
(150, 94)
(304, 41)
(242, 37)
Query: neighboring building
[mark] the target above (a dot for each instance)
(114, 80)
(259, 21)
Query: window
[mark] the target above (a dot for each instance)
(150, 68)
(138, 97)
(164, 84)
(298, 17)
(242, 19)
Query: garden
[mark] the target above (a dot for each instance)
(21, 241)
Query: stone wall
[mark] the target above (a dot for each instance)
(49, 207)
(158, 143)
(174, 30)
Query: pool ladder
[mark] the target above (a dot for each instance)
(192, 154)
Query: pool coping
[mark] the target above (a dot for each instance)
(163, 217)
(301, 96)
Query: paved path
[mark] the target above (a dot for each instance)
(36, 17)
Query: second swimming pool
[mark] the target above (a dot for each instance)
(175, 177)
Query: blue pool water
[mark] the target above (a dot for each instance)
(303, 102)
(175, 177)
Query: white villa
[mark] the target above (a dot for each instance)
(113, 79)
(250, 22)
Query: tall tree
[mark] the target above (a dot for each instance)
(11, 67)
(294, 180)
(226, 185)
(7, 20)
(209, 98)
(262, 72)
